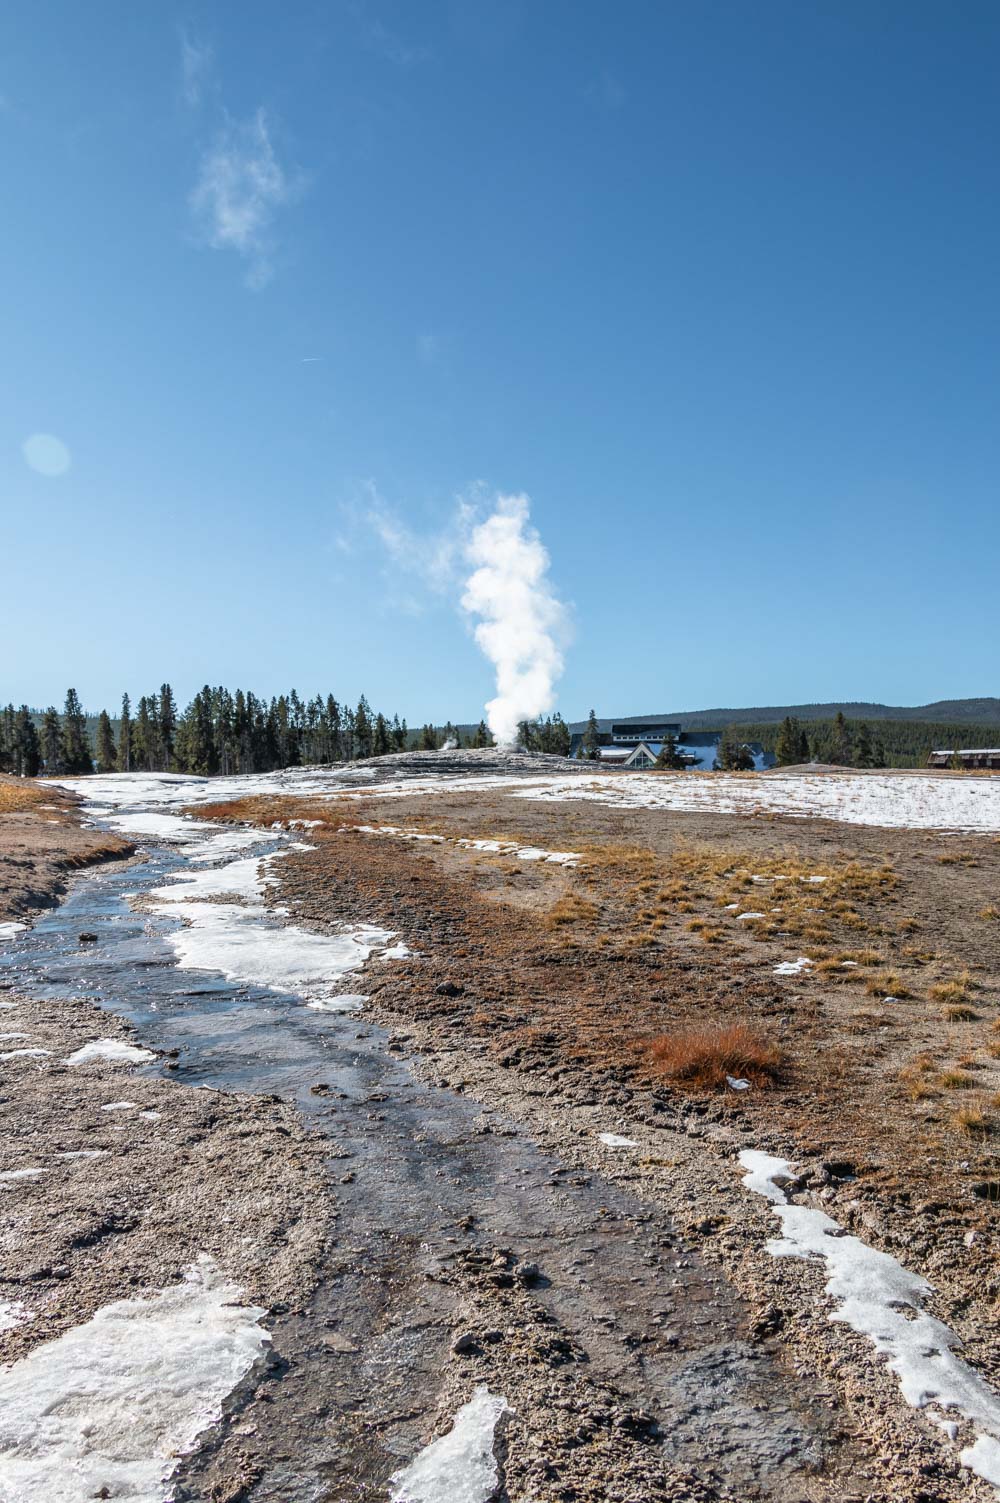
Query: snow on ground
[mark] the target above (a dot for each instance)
(459, 1467)
(113, 1050)
(799, 967)
(12, 1174)
(106, 1409)
(615, 1140)
(491, 847)
(900, 800)
(877, 1297)
(25, 1053)
(13, 1314)
(11, 930)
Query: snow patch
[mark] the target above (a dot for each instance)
(799, 967)
(11, 929)
(459, 1467)
(24, 1053)
(13, 1314)
(118, 1106)
(83, 1153)
(615, 1140)
(113, 1050)
(342, 1002)
(880, 1299)
(114, 1402)
(10, 1174)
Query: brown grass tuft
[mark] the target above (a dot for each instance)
(18, 794)
(959, 1012)
(956, 991)
(888, 984)
(705, 1056)
(571, 909)
(991, 911)
(973, 1122)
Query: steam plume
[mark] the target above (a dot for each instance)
(521, 620)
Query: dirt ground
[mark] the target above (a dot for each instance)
(547, 988)
(42, 843)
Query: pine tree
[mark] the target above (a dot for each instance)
(363, 729)
(669, 757)
(878, 753)
(167, 725)
(788, 747)
(380, 738)
(863, 755)
(559, 737)
(143, 738)
(125, 736)
(107, 756)
(481, 736)
(428, 739)
(591, 739)
(334, 729)
(398, 735)
(75, 748)
(733, 754)
(27, 756)
(52, 743)
(841, 750)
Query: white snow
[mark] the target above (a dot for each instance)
(615, 1140)
(26, 1053)
(736, 1084)
(459, 1467)
(491, 847)
(114, 1402)
(83, 1153)
(12, 1314)
(740, 918)
(110, 1049)
(6, 1036)
(151, 1116)
(342, 1002)
(7, 1005)
(11, 1174)
(798, 967)
(877, 1297)
(118, 1106)
(10, 929)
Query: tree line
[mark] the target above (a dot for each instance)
(219, 732)
(863, 743)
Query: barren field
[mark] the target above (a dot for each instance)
(515, 1092)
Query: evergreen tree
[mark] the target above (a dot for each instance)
(107, 756)
(788, 747)
(167, 726)
(75, 746)
(878, 753)
(863, 752)
(380, 737)
(52, 742)
(591, 739)
(733, 754)
(26, 756)
(7, 739)
(428, 739)
(841, 750)
(125, 736)
(481, 736)
(559, 737)
(334, 729)
(363, 729)
(669, 757)
(398, 734)
(143, 738)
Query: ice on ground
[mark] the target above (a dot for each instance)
(6, 1036)
(151, 1116)
(24, 1053)
(108, 1408)
(740, 918)
(798, 967)
(459, 1467)
(118, 1106)
(83, 1153)
(114, 1050)
(7, 1005)
(521, 852)
(879, 1298)
(9, 1174)
(736, 1084)
(398, 951)
(342, 1002)
(615, 1140)
(13, 1314)
(398, 832)
(11, 929)
(237, 879)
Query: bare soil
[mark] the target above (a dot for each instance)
(42, 843)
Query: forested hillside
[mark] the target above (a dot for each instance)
(943, 712)
(869, 743)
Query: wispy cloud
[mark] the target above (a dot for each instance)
(388, 44)
(197, 70)
(241, 185)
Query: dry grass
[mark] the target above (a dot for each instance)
(703, 1057)
(958, 858)
(991, 911)
(572, 908)
(959, 1013)
(973, 1122)
(18, 794)
(888, 984)
(955, 992)
(955, 1080)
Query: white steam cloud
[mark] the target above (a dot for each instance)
(521, 621)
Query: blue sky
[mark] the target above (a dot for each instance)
(715, 285)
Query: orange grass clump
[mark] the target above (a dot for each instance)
(705, 1056)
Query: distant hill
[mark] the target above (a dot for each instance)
(943, 711)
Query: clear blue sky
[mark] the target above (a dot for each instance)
(715, 284)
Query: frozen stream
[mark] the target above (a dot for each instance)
(419, 1177)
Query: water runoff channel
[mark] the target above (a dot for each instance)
(426, 1186)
